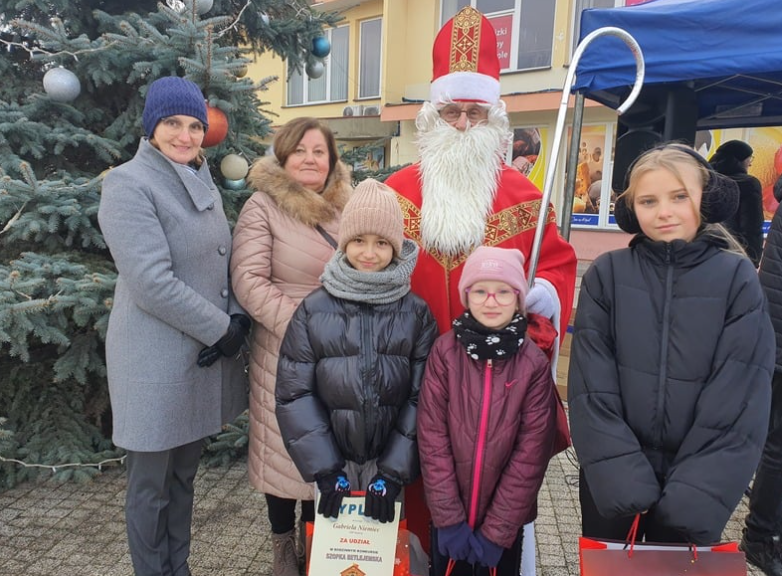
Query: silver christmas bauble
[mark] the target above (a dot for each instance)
(265, 18)
(234, 167)
(315, 69)
(235, 184)
(203, 6)
(61, 85)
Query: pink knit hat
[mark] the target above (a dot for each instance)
(498, 264)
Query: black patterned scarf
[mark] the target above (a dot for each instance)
(482, 343)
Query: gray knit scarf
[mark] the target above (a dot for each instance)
(341, 280)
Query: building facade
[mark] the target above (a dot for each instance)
(379, 69)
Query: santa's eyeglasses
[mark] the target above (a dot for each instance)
(475, 113)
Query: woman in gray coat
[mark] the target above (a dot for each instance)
(175, 330)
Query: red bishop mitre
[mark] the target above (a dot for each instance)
(466, 66)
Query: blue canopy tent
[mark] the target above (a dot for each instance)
(724, 56)
(709, 64)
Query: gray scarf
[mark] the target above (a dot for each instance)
(341, 280)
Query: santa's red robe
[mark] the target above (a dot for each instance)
(510, 225)
(436, 276)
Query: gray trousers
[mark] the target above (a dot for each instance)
(159, 509)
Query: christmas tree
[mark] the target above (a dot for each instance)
(75, 73)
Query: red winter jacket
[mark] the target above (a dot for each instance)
(485, 435)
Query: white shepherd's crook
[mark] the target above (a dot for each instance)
(560, 127)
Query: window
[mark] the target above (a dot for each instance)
(332, 86)
(525, 29)
(580, 6)
(369, 59)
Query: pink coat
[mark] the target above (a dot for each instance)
(278, 257)
(485, 435)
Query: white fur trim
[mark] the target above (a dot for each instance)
(465, 86)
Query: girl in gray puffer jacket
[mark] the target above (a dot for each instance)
(352, 361)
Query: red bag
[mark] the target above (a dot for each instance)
(562, 439)
(605, 557)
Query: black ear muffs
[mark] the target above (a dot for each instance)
(720, 195)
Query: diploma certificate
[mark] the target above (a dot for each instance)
(353, 544)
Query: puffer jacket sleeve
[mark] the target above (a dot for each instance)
(515, 497)
(621, 478)
(719, 454)
(302, 417)
(399, 460)
(434, 443)
(251, 268)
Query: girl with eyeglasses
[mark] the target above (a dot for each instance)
(486, 422)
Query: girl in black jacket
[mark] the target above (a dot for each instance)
(671, 362)
(733, 159)
(352, 361)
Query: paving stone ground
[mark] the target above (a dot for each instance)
(67, 529)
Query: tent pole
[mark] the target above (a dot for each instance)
(572, 167)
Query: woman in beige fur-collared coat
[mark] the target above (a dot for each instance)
(280, 248)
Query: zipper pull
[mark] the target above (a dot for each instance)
(489, 364)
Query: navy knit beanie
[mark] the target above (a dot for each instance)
(171, 96)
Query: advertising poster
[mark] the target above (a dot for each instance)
(374, 160)
(502, 28)
(592, 165)
(353, 544)
(766, 164)
(528, 153)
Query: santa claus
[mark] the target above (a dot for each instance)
(462, 194)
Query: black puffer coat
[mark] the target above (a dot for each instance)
(746, 224)
(771, 272)
(669, 382)
(348, 381)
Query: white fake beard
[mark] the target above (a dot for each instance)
(459, 172)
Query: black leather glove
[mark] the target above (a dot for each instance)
(229, 344)
(333, 488)
(380, 498)
(208, 356)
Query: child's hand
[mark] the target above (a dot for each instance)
(491, 552)
(454, 541)
(476, 550)
(333, 487)
(380, 498)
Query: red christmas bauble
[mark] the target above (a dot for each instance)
(218, 127)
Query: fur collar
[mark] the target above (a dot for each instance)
(306, 206)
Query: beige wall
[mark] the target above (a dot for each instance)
(408, 32)
(268, 64)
